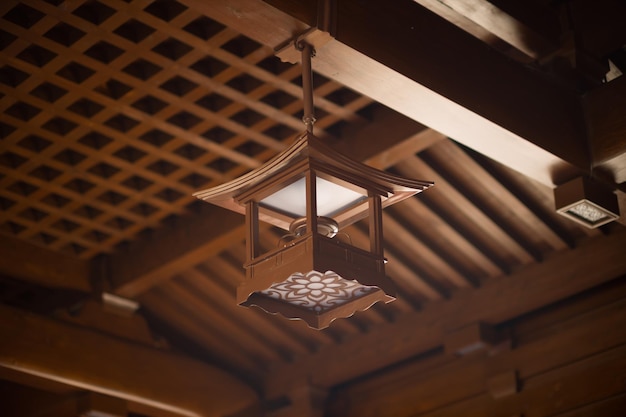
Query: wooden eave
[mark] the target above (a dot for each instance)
(309, 153)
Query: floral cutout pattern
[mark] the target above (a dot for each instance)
(316, 291)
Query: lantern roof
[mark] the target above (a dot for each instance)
(340, 176)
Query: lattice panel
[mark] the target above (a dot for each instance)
(113, 114)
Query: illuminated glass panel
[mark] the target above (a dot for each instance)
(331, 198)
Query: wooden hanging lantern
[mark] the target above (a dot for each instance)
(313, 192)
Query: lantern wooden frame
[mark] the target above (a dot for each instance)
(310, 158)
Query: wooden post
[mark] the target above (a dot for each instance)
(376, 225)
(252, 230)
(311, 201)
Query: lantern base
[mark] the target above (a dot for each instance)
(314, 252)
(317, 298)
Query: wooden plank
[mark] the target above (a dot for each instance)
(574, 385)
(498, 300)
(88, 360)
(551, 319)
(441, 236)
(389, 138)
(94, 315)
(430, 260)
(41, 266)
(261, 324)
(544, 365)
(610, 407)
(519, 220)
(98, 404)
(495, 21)
(235, 361)
(414, 394)
(174, 248)
(569, 342)
(222, 326)
(578, 390)
(463, 214)
(412, 145)
(19, 400)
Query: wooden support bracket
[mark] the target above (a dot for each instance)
(472, 338)
(99, 405)
(304, 401)
(503, 385)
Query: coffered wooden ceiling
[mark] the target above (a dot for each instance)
(113, 113)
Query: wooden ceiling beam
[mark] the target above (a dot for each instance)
(259, 324)
(430, 261)
(556, 278)
(431, 71)
(223, 326)
(41, 266)
(174, 248)
(234, 361)
(428, 69)
(20, 400)
(456, 205)
(524, 225)
(480, 16)
(578, 341)
(37, 345)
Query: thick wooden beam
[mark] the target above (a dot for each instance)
(390, 137)
(303, 401)
(499, 300)
(94, 404)
(23, 401)
(75, 356)
(191, 240)
(605, 113)
(573, 348)
(415, 62)
(41, 266)
(470, 15)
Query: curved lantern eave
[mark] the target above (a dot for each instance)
(327, 161)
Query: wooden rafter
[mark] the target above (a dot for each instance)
(88, 360)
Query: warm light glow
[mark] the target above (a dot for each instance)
(331, 198)
(316, 291)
